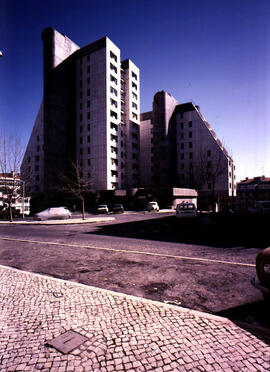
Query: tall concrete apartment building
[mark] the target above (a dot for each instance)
(180, 149)
(90, 113)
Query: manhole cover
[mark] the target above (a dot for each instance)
(67, 341)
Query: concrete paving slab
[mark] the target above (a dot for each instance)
(124, 333)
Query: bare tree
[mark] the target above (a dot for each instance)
(208, 167)
(76, 184)
(11, 152)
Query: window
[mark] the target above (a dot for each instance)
(182, 156)
(113, 126)
(182, 135)
(81, 140)
(113, 102)
(182, 165)
(134, 166)
(181, 115)
(80, 94)
(37, 158)
(114, 138)
(29, 159)
(114, 161)
(190, 134)
(113, 91)
(88, 162)
(113, 79)
(135, 156)
(80, 117)
(88, 126)
(88, 138)
(190, 166)
(113, 56)
(37, 148)
(134, 116)
(134, 75)
(134, 145)
(182, 146)
(80, 128)
(134, 85)
(88, 92)
(209, 164)
(113, 114)
(114, 173)
(80, 72)
(190, 124)
(88, 69)
(88, 81)
(209, 186)
(135, 135)
(134, 105)
(182, 125)
(113, 68)
(37, 168)
(37, 138)
(88, 103)
(88, 150)
(88, 57)
(81, 106)
(88, 115)
(190, 145)
(209, 153)
(81, 151)
(114, 150)
(80, 83)
(37, 177)
(81, 163)
(134, 95)
(190, 155)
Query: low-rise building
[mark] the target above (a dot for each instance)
(12, 193)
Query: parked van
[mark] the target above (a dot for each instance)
(186, 210)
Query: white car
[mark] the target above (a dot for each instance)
(153, 206)
(102, 208)
(186, 210)
(53, 214)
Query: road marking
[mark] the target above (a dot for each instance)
(131, 251)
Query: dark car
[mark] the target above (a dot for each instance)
(263, 273)
(118, 208)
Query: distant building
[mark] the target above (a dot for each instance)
(252, 190)
(180, 149)
(90, 114)
(11, 191)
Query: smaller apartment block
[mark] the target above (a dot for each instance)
(90, 115)
(180, 149)
(252, 190)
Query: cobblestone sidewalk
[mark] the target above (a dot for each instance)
(123, 333)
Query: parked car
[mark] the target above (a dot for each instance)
(102, 208)
(153, 206)
(118, 208)
(186, 210)
(263, 273)
(53, 214)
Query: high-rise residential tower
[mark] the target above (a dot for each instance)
(90, 114)
(180, 149)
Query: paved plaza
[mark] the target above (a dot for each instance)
(121, 333)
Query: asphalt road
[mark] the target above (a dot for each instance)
(204, 264)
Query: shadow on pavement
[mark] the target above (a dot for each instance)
(253, 317)
(210, 230)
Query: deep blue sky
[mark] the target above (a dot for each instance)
(215, 52)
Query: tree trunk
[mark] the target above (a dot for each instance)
(10, 213)
(83, 210)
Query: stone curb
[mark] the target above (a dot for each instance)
(196, 313)
(60, 222)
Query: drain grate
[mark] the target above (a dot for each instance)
(67, 341)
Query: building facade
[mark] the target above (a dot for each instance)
(12, 194)
(89, 116)
(252, 191)
(180, 149)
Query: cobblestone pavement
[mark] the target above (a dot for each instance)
(124, 333)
